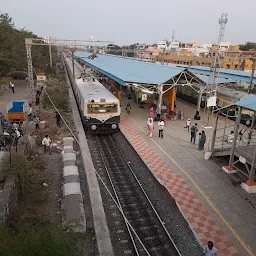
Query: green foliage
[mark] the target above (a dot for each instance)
(248, 46)
(50, 241)
(27, 175)
(58, 92)
(13, 51)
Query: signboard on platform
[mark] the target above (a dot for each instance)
(41, 78)
(212, 101)
(144, 97)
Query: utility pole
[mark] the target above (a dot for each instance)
(252, 76)
(216, 61)
(50, 53)
(73, 64)
(28, 44)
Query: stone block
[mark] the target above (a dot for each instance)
(68, 141)
(70, 170)
(69, 157)
(71, 179)
(72, 207)
(72, 188)
(68, 149)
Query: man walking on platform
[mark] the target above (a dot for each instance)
(210, 250)
(161, 128)
(193, 132)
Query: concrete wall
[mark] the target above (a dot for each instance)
(8, 200)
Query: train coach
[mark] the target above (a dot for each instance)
(99, 108)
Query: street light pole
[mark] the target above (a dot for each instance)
(252, 76)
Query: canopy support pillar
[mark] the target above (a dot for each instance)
(232, 153)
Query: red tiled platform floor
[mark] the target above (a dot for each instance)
(198, 218)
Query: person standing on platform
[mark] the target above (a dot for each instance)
(210, 250)
(128, 108)
(161, 128)
(12, 86)
(57, 119)
(193, 132)
(150, 127)
(152, 113)
(188, 124)
(202, 141)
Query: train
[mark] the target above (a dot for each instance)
(99, 108)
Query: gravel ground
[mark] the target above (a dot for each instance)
(52, 177)
(164, 203)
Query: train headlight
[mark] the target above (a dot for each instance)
(113, 126)
(94, 127)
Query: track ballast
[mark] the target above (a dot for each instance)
(151, 238)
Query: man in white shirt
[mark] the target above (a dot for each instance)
(210, 250)
(12, 86)
(161, 128)
(47, 144)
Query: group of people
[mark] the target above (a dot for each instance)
(193, 134)
(150, 124)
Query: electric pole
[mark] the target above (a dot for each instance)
(252, 76)
(216, 61)
(215, 66)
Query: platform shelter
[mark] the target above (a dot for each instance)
(240, 140)
(148, 82)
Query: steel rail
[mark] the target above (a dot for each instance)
(149, 201)
(128, 225)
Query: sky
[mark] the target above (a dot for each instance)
(127, 22)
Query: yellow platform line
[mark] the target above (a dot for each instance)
(201, 192)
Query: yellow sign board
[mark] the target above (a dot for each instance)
(41, 80)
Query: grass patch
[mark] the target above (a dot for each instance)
(26, 171)
(58, 91)
(50, 241)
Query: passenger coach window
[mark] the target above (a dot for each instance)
(102, 108)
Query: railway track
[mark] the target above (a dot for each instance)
(146, 230)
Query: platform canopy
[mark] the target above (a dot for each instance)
(247, 103)
(235, 75)
(131, 70)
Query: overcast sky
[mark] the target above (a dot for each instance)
(144, 21)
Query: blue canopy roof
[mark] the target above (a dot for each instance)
(130, 70)
(248, 103)
(238, 76)
(218, 80)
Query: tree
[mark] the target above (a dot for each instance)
(12, 48)
(248, 46)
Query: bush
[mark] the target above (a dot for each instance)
(27, 175)
(50, 241)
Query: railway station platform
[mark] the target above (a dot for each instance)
(214, 208)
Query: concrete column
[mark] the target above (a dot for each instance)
(238, 118)
(251, 129)
(199, 100)
(50, 53)
(160, 88)
(252, 172)
(73, 65)
(173, 98)
(214, 133)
